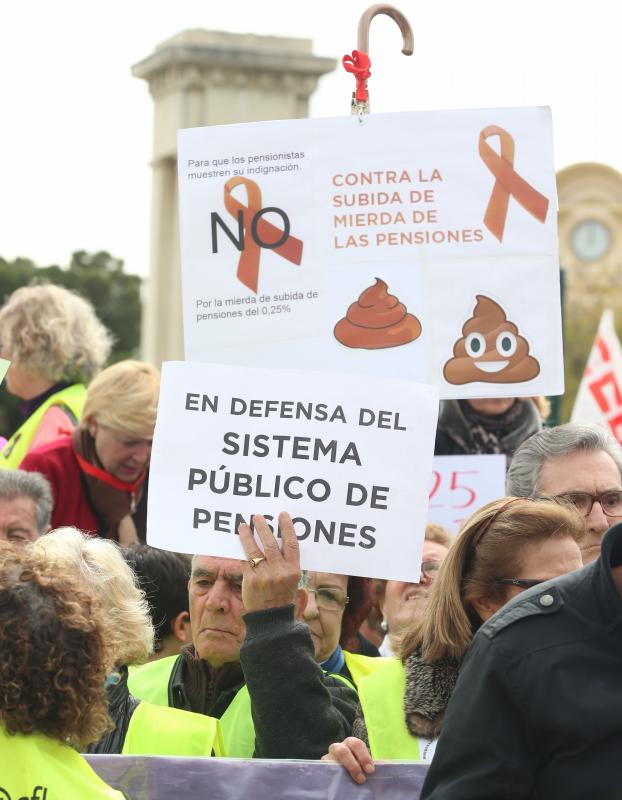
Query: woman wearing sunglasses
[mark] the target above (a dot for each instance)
(507, 546)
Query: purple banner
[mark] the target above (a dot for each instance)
(155, 778)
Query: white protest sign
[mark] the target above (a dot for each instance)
(462, 484)
(421, 246)
(599, 398)
(349, 458)
(4, 367)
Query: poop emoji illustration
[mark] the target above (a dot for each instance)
(377, 320)
(491, 349)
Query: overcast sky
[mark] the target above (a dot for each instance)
(76, 126)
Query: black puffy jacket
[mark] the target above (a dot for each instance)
(121, 706)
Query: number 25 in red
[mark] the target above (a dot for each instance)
(455, 485)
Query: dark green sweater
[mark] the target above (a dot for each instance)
(298, 711)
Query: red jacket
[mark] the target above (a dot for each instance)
(58, 463)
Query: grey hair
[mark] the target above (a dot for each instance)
(524, 474)
(105, 573)
(18, 483)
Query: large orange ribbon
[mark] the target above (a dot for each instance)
(248, 265)
(507, 183)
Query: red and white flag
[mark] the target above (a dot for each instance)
(599, 398)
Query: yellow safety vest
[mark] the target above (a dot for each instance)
(150, 681)
(237, 722)
(360, 666)
(236, 731)
(381, 695)
(15, 450)
(35, 766)
(158, 731)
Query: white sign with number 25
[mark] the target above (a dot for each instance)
(461, 485)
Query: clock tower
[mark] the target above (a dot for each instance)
(590, 237)
(590, 252)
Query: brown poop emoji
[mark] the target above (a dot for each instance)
(490, 350)
(377, 320)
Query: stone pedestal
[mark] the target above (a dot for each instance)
(208, 78)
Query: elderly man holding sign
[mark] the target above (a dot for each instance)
(252, 663)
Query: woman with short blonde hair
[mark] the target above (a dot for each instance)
(124, 397)
(99, 476)
(56, 344)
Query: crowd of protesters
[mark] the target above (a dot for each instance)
(110, 646)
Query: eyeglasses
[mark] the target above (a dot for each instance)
(330, 599)
(610, 502)
(430, 569)
(522, 583)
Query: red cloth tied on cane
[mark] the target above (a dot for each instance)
(248, 265)
(358, 64)
(507, 183)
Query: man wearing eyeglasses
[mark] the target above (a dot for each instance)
(252, 663)
(581, 464)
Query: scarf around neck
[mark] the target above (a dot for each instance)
(334, 663)
(110, 498)
(428, 689)
(480, 433)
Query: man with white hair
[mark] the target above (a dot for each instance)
(578, 463)
(252, 663)
(25, 506)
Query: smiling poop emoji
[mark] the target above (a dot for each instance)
(491, 349)
(377, 320)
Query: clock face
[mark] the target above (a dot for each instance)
(590, 240)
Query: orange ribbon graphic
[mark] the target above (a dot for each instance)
(268, 234)
(508, 182)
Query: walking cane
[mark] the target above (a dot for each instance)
(359, 63)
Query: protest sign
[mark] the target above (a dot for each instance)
(462, 484)
(349, 458)
(418, 245)
(157, 778)
(599, 398)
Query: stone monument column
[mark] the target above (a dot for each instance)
(208, 78)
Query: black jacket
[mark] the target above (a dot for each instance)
(121, 706)
(298, 711)
(537, 710)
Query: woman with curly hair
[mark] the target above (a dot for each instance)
(336, 607)
(53, 663)
(56, 344)
(504, 548)
(139, 728)
(99, 475)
